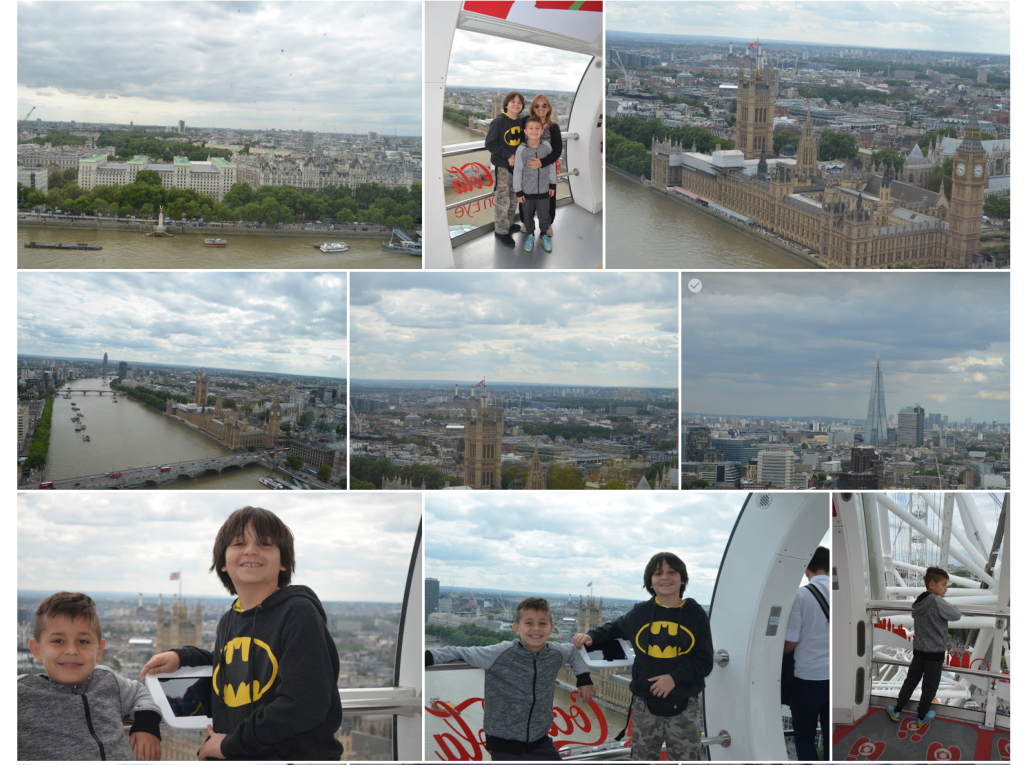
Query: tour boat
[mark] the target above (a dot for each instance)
(333, 247)
(405, 245)
(216, 242)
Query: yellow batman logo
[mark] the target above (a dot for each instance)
(663, 640)
(512, 135)
(238, 672)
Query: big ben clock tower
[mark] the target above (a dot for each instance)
(967, 199)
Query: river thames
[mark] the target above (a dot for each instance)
(643, 229)
(129, 435)
(128, 249)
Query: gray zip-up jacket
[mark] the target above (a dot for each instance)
(533, 183)
(519, 684)
(84, 721)
(932, 616)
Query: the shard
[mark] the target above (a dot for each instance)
(876, 429)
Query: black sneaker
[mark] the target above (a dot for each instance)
(514, 228)
(506, 240)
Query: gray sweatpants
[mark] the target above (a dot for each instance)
(680, 734)
(540, 206)
(505, 201)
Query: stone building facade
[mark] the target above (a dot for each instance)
(849, 219)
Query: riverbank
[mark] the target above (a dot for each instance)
(774, 244)
(212, 230)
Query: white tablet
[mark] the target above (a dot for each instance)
(614, 653)
(184, 696)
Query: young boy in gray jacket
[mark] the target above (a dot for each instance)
(932, 615)
(534, 187)
(76, 710)
(519, 684)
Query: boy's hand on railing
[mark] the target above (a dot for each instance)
(145, 745)
(581, 639)
(586, 693)
(167, 661)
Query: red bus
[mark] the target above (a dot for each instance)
(47, 485)
(165, 470)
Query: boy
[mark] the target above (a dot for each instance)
(932, 615)
(672, 641)
(534, 187)
(275, 677)
(519, 684)
(503, 136)
(75, 711)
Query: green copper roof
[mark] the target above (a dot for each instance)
(178, 161)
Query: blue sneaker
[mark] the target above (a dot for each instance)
(528, 244)
(893, 714)
(927, 718)
(545, 240)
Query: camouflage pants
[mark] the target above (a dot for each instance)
(505, 202)
(680, 734)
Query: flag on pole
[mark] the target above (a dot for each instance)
(590, 584)
(175, 575)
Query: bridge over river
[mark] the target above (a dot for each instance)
(153, 476)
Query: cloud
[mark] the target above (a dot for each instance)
(555, 546)
(348, 547)
(804, 345)
(554, 328)
(313, 66)
(258, 321)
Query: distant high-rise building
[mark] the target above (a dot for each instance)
(982, 75)
(431, 596)
(776, 467)
(104, 364)
(910, 426)
(181, 126)
(875, 429)
(122, 370)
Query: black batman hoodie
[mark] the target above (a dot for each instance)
(666, 641)
(275, 679)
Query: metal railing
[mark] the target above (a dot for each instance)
(877, 606)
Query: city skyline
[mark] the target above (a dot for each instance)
(347, 547)
(953, 27)
(609, 544)
(276, 322)
(229, 65)
(571, 329)
(805, 345)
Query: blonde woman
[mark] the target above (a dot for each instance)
(540, 107)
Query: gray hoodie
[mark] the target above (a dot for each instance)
(519, 684)
(84, 721)
(932, 616)
(530, 182)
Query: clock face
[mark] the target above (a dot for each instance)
(979, 170)
(961, 168)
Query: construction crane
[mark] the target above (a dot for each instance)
(24, 120)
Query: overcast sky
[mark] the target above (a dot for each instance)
(513, 542)
(804, 344)
(943, 26)
(261, 321)
(347, 547)
(482, 61)
(320, 66)
(579, 329)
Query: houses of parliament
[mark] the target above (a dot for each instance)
(850, 218)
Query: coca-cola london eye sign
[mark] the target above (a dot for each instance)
(455, 729)
(476, 176)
